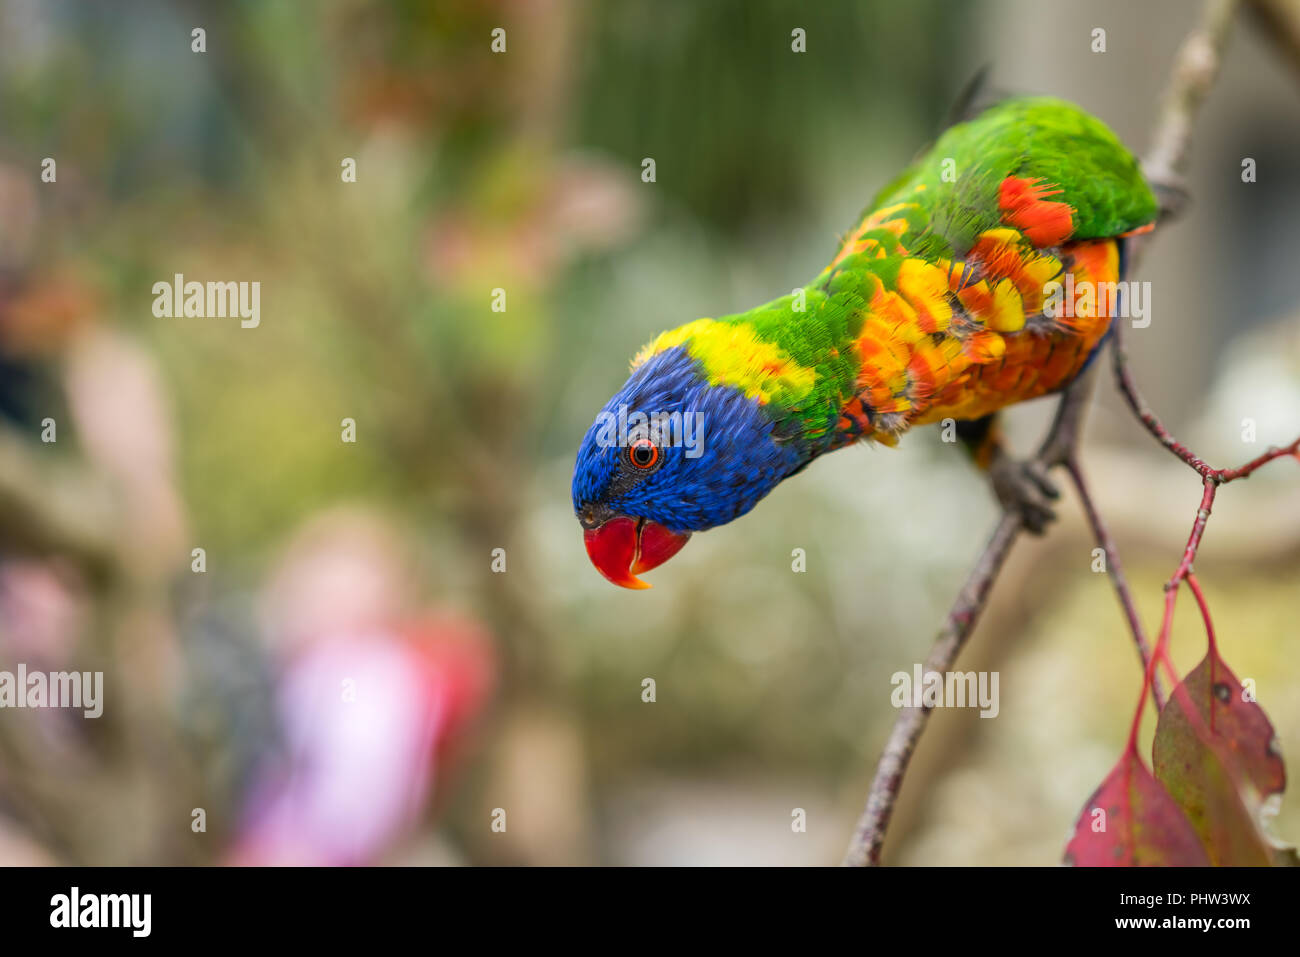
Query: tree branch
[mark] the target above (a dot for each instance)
(1279, 23)
(869, 835)
(1195, 69)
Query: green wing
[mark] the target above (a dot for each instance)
(1032, 138)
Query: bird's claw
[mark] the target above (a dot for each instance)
(1024, 488)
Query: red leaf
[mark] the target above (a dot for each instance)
(1130, 821)
(1221, 764)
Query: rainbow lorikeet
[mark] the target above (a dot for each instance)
(984, 275)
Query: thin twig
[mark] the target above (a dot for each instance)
(1211, 480)
(1115, 570)
(869, 835)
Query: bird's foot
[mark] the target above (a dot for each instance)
(1024, 488)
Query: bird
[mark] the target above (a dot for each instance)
(986, 274)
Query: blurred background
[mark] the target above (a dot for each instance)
(394, 649)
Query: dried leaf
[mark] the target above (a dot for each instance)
(1223, 766)
(1130, 821)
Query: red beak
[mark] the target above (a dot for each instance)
(624, 547)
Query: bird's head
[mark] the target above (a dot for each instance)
(671, 454)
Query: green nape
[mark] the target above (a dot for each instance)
(795, 354)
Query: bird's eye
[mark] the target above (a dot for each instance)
(643, 454)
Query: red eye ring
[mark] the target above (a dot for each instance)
(643, 454)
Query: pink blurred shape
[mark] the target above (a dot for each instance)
(368, 717)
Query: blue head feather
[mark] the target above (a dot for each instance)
(741, 458)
